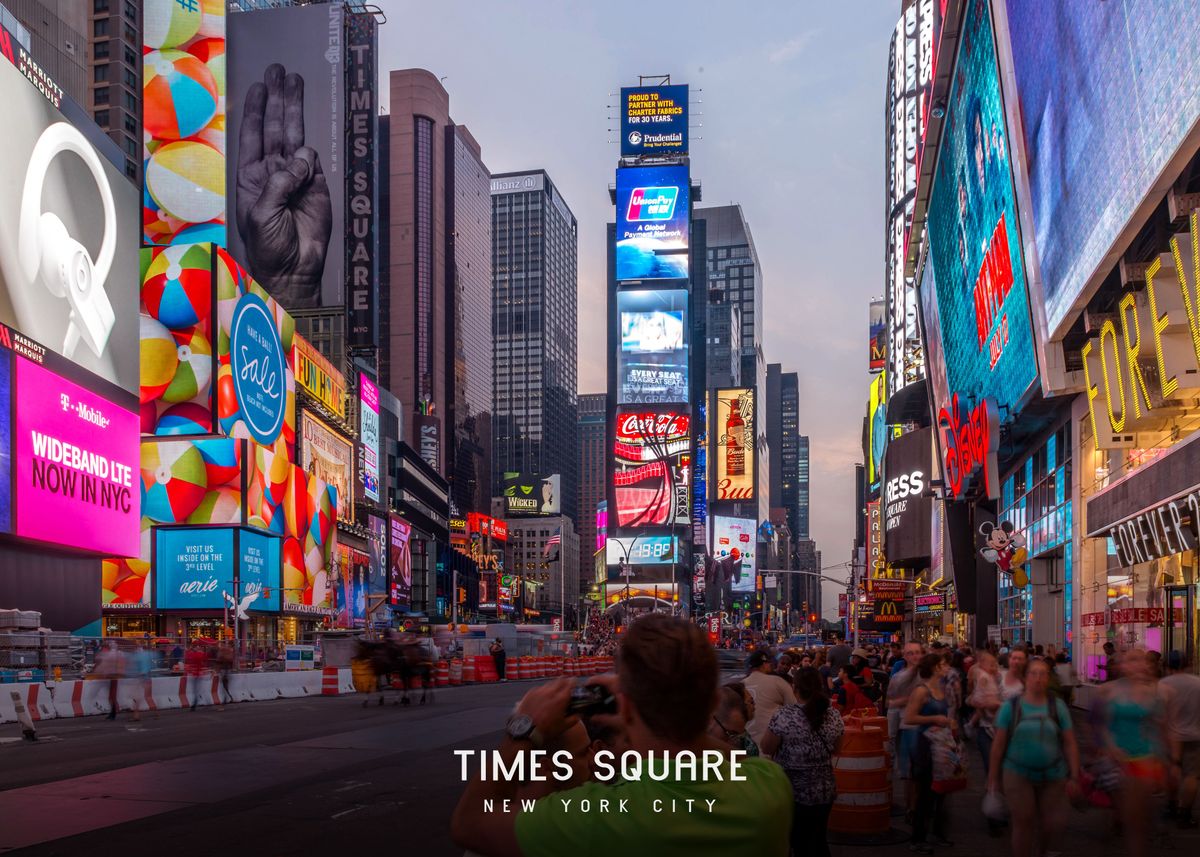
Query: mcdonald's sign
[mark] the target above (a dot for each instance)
(888, 611)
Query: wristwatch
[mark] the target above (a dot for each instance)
(519, 727)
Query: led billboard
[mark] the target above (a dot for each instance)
(643, 550)
(399, 562)
(368, 435)
(1106, 95)
(654, 120)
(286, 161)
(734, 454)
(653, 214)
(260, 570)
(362, 129)
(318, 377)
(68, 235)
(974, 233)
(530, 495)
(193, 567)
(877, 336)
(330, 457)
(652, 361)
(735, 538)
(651, 457)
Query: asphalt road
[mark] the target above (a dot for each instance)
(309, 775)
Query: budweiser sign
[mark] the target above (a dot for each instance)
(971, 440)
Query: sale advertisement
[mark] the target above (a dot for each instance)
(77, 460)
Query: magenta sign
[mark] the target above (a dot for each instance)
(76, 457)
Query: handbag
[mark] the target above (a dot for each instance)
(949, 760)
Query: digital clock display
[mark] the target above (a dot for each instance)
(643, 550)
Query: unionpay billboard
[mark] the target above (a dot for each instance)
(653, 210)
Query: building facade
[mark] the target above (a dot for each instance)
(534, 325)
(592, 432)
(548, 570)
(801, 530)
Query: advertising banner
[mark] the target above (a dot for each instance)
(651, 457)
(286, 151)
(355, 587)
(378, 544)
(318, 377)
(843, 605)
(652, 362)
(76, 464)
(734, 454)
(929, 603)
(399, 562)
(653, 217)
(887, 612)
(531, 495)
(877, 430)
(876, 563)
(429, 440)
(68, 235)
(258, 367)
(362, 129)
(1105, 99)
(183, 122)
(654, 120)
(260, 570)
(877, 334)
(368, 435)
(194, 566)
(330, 457)
(906, 510)
(643, 550)
(974, 233)
(735, 538)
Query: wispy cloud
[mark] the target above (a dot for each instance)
(792, 48)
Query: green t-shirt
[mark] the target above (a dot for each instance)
(1034, 747)
(752, 816)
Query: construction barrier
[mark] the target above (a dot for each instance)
(456, 670)
(329, 681)
(468, 669)
(514, 670)
(442, 678)
(485, 668)
(864, 787)
(35, 696)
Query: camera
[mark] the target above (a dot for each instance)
(589, 699)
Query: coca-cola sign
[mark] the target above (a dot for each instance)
(651, 473)
(664, 426)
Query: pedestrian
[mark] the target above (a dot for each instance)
(802, 738)
(1183, 730)
(729, 720)
(1012, 683)
(895, 658)
(770, 694)
(927, 707)
(1131, 712)
(498, 658)
(141, 666)
(838, 654)
(194, 663)
(1109, 664)
(666, 690)
(749, 709)
(984, 700)
(110, 664)
(1033, 758)
(901, 685)
(1065, 677)
(848, 695)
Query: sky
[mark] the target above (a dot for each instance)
(787, 103)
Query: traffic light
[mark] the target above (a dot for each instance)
(462, 595)
(812, 617)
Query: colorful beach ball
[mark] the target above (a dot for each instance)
(212, 21)
(211, 52)
(160, 358)
(222, 460)
(295, 575)
(123, 581)
(148, 417)
(214, 133)
(295, 503)
(195, 366)
(173, 481)
(186, 418)
(168, 23)
(180, 94)
(228, 410)
(219, 506)
(177, 287)
(187, 180)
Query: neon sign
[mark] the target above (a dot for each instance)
(971, 441)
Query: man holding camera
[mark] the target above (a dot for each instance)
(665, 690)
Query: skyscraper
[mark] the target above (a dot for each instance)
(801, 530)
(783, 437)
(592, 432)
(535, 279)
(734, 272)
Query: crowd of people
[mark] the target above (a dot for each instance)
(1005, 708)
(140, 661)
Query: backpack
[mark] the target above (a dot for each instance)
(1052, 711)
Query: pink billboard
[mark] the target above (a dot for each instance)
(77, 456)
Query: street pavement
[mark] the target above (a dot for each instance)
(303, 776)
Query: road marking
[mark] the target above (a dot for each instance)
(347, 811)
(350, 786)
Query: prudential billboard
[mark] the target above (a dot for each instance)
(653, 210)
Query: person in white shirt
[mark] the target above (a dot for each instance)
(770, 694)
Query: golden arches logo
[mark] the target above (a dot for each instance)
(887, 608)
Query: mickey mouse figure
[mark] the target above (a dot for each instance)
(1005, 547)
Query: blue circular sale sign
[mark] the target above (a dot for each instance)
(259, 366)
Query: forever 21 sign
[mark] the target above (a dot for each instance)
(1163, 531)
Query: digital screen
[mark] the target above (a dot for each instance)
(643, 550)
(877, 336)
(734, 453)
(1107, 93)
(651, 471)
(400, 562)
(330, 457)
(77, 464)
(193, 567)
(652, 363)
(653, 214)
(736, 537)
(974, 233)
(260, 569)
(530, 494)
(377, 543)
(368, 425)
(654, 120)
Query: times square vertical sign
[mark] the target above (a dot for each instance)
(910, 79)
(361, 180)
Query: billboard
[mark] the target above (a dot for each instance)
(399, 562)
(318, 377)
(734, 452)
(330, 457)
(1106, 95)
(735, 537)
(286, 159)
(877, 334)
(362, 199)
(183, 123)
(530, 495)
(643, 550)
(429, 439)
(907, 511)
(653, 215)
(887, 599)
(652, 361)
(974, 233)
(368, 435)
(654, 120)
(194, 567)
(877, 429)
(651, 458)
(76, 461)
(260, 570)
(378, 544)
(68, 235)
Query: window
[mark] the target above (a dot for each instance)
(100, 51)
(131, 78)
(100, 74)
(130, 101)
(131, 59)
(101, 96)
(131, 147)
(99, 6)
(131, 11)
(102, 118)
(130, 125)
